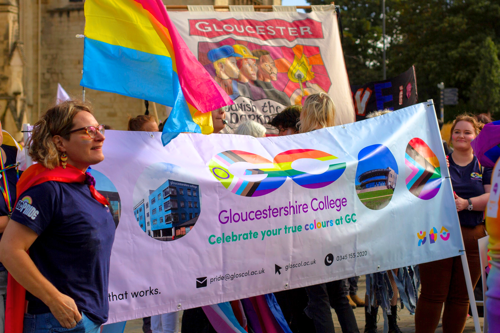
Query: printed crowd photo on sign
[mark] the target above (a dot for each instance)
(109, 191)
(376, 176)
(263, 77)
(267, 61)
(167, 202)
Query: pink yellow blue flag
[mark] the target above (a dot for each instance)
(132, 48)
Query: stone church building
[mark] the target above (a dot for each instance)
(39, 49)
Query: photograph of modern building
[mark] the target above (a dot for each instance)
(109, 191)
(376, 176)
(170, 211)
(378, 179)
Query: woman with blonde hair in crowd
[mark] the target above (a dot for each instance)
(443, 281)
(64, 223)
(318, 112)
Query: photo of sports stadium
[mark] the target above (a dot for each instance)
(376, 176)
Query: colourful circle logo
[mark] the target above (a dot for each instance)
(27, 199)
(423, 172)
(274, 173)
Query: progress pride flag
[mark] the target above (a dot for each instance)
(265, 30)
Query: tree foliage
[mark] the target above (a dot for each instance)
(485, 88)
(442, 38)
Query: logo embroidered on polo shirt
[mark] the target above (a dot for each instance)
(25, 207)
(476, 176)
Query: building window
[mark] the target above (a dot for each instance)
(182, 204)
(153, 201)
(196, 204)
(181, 191)
(147, 214)
(190, 204)
(183, 216)
(171, 190)
(170, 204)
(189, 191)
(147, 204)
(159, 196)
(190, 216)
(147, 224)
(154, 221)
(194, 193)
(175, 217)
(195, 214)
(154, 211)
(142, 225)
(161, 219)
(160, 208)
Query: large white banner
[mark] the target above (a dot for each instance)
(267, 61)
(208, 219)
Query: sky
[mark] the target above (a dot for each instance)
(375, 157)
(294, 3)
(155, 175)
(102, 183)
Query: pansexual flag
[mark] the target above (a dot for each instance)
(132, 48)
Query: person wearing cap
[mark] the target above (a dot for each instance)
(226, 69)
(268, 72)
(248, 73)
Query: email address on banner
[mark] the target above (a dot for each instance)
(231, 277)
(300, 264)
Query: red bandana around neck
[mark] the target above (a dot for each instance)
(35, 175)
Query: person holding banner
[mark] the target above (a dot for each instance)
(319, 112)
(166, 322)
(443, 281)
(142, 122)
(64, 223)
(286, 121)
(8, 179)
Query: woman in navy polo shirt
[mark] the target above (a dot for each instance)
(443, 281)
(65, 225)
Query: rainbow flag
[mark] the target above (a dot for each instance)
(133, 49)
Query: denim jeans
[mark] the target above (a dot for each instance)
(353, 285)
(47, 323)
(164, 323)
(318, 308)
(3, 294)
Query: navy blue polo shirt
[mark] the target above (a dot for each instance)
(11, 174)
(73, 248)
(468, 182)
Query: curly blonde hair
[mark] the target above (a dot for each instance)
(58, 120)
(319, 111)
(470, 119)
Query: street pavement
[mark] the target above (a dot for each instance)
(406, 321)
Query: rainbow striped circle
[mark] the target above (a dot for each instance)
(275, 172)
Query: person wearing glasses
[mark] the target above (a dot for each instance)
(64, 223)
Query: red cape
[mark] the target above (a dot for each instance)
(35, 175)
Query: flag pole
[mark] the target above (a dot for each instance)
(156, 113)
(83, 88)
